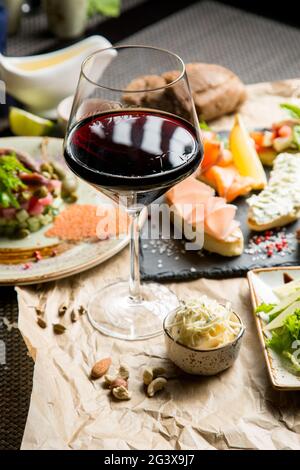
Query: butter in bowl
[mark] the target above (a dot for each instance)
(202, 336)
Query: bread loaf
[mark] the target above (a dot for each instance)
(216, 91)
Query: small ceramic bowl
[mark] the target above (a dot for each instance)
(200, 361)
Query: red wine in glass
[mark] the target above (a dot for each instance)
(133, 150)
(127, 136)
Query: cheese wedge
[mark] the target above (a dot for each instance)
(244, 154)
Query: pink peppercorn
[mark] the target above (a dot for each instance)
(38, 256)
(26, 266)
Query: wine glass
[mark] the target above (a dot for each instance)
(133, 134)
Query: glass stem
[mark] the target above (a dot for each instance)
(134, 279)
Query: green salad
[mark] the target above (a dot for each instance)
(282, 325)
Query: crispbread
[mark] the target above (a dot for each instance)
(233, 245)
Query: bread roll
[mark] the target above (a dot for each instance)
(216, 91)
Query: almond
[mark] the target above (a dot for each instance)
(100, 368)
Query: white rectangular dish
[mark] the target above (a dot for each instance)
(261, 283)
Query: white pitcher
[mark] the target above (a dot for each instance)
(41, 82)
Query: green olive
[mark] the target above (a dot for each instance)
(47, 167)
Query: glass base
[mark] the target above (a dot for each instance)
(114, 313)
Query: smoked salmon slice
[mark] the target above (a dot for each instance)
(219, 170)
(217, 215)
(227, 181)
(212, 151)
(225, 158)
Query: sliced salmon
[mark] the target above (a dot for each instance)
(190, 189)
(241, 186)
(221, 178)
(212, 152)
(228, 182)
(217, 215)
(225, 158)
(218, 223)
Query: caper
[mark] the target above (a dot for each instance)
(24, 196)
(41, 192)
(47, 167)
(22, 233)
(56, 193)
(47, 175)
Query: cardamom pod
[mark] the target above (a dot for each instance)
(62, 310)
(73, 317)
(58, 329)
(40, 312)
(41, 323)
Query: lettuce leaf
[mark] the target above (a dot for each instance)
(292, 324)
(266, 308)
(10, 183)
(282, 340)
(203, 125)
(293, 110)
(104, 7)
(294, 363)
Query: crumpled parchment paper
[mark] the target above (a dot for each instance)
(237, 409)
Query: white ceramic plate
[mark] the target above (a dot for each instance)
(75, 259)
(261, 281)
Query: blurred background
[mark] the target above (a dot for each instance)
(258, 40)
(218, 28)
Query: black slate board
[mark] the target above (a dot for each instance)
(156, 265)
(167, 260)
